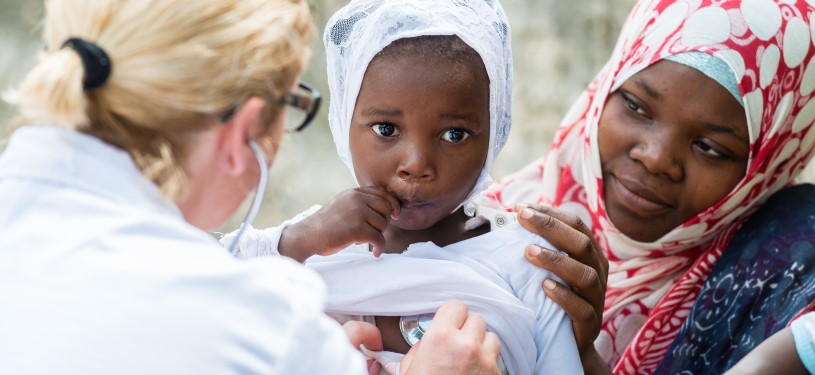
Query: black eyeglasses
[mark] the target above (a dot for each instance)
(304, 102)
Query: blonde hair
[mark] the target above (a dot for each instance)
(176, 65)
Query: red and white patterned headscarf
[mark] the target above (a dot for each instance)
(652, 286)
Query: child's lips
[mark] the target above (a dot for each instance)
(407, 194)
(413, 204)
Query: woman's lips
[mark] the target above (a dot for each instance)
(638, 198)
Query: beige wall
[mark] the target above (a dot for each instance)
(558, 46)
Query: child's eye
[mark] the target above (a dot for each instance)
(385, 130)
(455, 135)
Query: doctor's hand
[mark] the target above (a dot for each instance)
(355, 216)
(455, 343)
(361, 333)
(585, 269)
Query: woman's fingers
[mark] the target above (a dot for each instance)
(581, 264)
(567, 233)
(585, 319)
(581, 277)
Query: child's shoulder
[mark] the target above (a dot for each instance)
(511, 237)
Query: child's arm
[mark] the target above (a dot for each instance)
(354, 216)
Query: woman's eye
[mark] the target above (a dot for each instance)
(633, 106)
(385, 130)
(455, 135)
(707, 149)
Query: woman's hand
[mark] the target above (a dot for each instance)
(354, 216)
(585, 269)
(456, 342)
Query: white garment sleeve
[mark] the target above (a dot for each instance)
(262, 242)
(803, 332)
(327, 347)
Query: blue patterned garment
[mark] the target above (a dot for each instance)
(764, 277)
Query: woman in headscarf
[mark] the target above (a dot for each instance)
(703, 112)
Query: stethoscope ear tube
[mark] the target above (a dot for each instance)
(257, 199)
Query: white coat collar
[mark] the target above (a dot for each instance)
(79, 161)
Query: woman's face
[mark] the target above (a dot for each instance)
(673, 142)
(420, 129)
(221, 168)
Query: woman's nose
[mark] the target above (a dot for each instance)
(417, 164)
(659, 153)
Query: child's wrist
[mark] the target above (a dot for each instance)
(291, 241)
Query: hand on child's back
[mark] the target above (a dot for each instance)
(355, 216)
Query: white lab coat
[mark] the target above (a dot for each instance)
(98, 275)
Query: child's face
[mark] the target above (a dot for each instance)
(420, 128)
(673, 142)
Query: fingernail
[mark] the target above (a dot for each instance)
(534, 251)
(526, 213)
(519, 207)
(549, 284)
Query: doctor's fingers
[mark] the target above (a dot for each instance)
(475, 326)
(361, 333)
(567, 233)
(451, 315)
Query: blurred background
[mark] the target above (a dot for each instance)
(558, 46)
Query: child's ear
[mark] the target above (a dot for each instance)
(234, 143)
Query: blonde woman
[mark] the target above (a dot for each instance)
(143, 126)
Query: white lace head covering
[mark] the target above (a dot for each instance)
(361, 29)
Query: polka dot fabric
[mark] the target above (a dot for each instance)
(652, 286)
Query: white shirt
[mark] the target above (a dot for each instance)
(98, 275)
(488, 272)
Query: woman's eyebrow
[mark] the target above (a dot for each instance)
(648, 89)
(730, 130)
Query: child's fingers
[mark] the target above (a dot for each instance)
(374, 237)
(394, 206)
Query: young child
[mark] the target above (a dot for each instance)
(420, 108)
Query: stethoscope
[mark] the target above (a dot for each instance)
(257, 199)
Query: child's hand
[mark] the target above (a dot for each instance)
(355, 216)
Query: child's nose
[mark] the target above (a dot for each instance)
(659, 154)
(417, 165)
